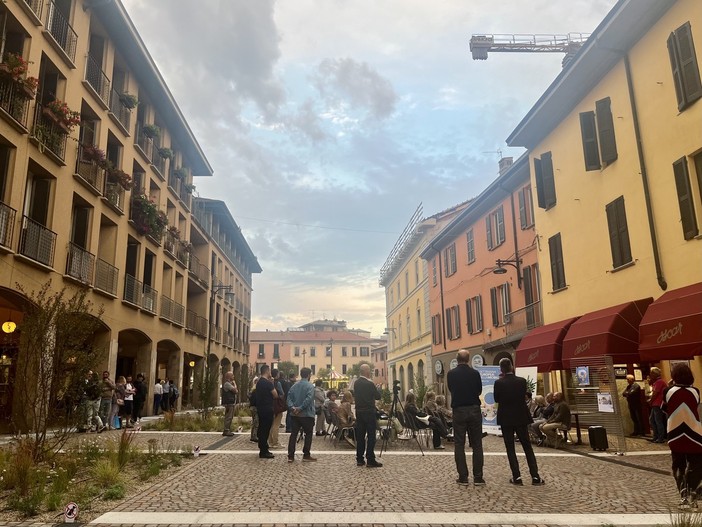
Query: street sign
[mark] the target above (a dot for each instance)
(70, 512)
(196, 451)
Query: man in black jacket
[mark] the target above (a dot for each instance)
(513, 417)
(365, 393)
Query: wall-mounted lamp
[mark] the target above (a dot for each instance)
(388, 330)
(9, 327)
(516, 263)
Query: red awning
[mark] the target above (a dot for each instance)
(541, 347)
(672, 326)
(613, 331)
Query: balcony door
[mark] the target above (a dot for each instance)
(37, 240)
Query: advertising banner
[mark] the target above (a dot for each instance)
(488, 376)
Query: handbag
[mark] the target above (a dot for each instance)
(120, 402)
(279, 405)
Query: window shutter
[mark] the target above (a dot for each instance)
(605, 130)
(478, 313)
(613, 234)
(589, 135)
(688, 69)
(528, 291)
(500, 225)
(557, 269)
(494, 307)
(449, 329)
(538, 175)
(488, 230)
(469, 317)
(446, 272)
(548, 180)
(675, 65)
(687, 207)
(507, 304)
(457, 321)
(522, 210)
(625, 244)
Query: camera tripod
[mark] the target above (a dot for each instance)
(407, 421)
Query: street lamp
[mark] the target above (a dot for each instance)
(304, 352)
(500, 269)
(213, 291)
(331, 354)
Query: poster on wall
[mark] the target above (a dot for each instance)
(488, 376)
(583, 375)
(604, 403)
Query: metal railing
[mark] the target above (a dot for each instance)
(149, 299)
(132, 290)
(238, 305)
(174, 182)
(170, 242)
(196, 323)
(37, 242)
(59, 28)
(14, 99)
(185, 196)
(97, 79)
(146, 144)
(201, 272)
(114, 192)
(80, 264)
(90, 171)
(216, 333)
(228, 339)
(247, 313)
(172, 310)
(7, 224)
(36, 6)
(106, 277)
(119, 110)
(524, 319)
(49, 132)
(159, 162)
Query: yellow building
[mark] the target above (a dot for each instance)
(405, 278)
(96, 181)
(616, 163)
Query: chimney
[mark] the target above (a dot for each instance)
(504, 164)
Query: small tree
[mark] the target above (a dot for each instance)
(420, 389)
(58, 346)
(206, 382)
(323, 374)
(355, 370)
(287, 367)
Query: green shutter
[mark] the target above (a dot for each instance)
(488, 231)
(589, 135)
(522, 210)
(538, 175)
(689, 71)
(611, 211)
(548, 180)
(624, 242)
(605, 130)
(469, 317)
(687, 207)
(500, 225)
(555, 250)
(675, 66)
(618, 232)
(494, 307)
(478, 313)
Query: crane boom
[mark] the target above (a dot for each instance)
(569, 43)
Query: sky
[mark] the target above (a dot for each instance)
(328, 122)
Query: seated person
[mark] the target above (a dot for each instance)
(423, 420)
(382, 424)
(560, 420)
(330, 406)
(445, 411)
(346, 417)
(431, 407)
(543, 416)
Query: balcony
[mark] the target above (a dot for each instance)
(49, 133)
(119, 111)
(132, 290)
(97, 80)
(61, 31)
(216, 333)
(524, 319)
(106, 277)
(114, 194)
(80, 264)
(143, 143)
(14, 99)
(149, 299)
(228, 339)
(183, 252)
(200, 271)
(37, 242)
(172, 310)
(185, 195)
(90, 171)
(174, 183)
(170, 242)
(158, 162)
(196, 323)
(7, 224)
(34, 8)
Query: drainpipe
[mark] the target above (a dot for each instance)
(644, 176)
(514, 233)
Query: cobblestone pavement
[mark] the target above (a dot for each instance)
(232, 485)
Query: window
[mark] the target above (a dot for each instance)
(419, 319)
(495, 228)
(453, 323)
(433, 272)
(500, 304)
(555, 251)
(313, 351)
(597, 131)
(450, 260)
(416, 271)
(392, 297)
(618, 232)
(545, 184)
(474, 314)
(399, 295)
(328, 351)
(470, 243)
(343, 369)
(683, 60)
(353, 351)
(365, 351)
(276, 351)
(436, 329)
(313, 368)
(261, 351)
(409, 332)
(526, 208)
(344, 351)
(407, 283)
(297, 351)
(685, 201)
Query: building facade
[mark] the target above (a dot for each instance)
(96, 190)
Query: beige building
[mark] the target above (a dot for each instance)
(96, 190)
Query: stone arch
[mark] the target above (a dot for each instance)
(410, 375)
(401, 378)
(501, 355)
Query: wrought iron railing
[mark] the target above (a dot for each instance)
(49, 132)
(149, 299)
(90, 170)
(106, 277)
(37, 242)
(201, 272)
(7, 224)
(114, 192)
(97, 79)
(182, 252)
(80, 264)
(216, 333)
(132, 290)
(172, 310)
(170, 242)
(36, 6)
(196, 323)
(14, 99)
(524, 319)
(146, 144)
(119, 110)
(59, 28)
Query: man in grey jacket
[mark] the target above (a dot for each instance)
(301, 408)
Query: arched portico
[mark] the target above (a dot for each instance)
(169, 365)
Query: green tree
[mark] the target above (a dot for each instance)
(287, 367)
(206, 382)
(355, 370)
(420, 389)
(323, 374)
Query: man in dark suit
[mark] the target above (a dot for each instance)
(513, 417)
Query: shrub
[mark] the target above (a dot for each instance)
(21, 471)
(54, 501)
(115, 492)
(124, 447)
(106, 473)
(27, 505)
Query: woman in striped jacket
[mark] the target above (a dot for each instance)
(684, 433)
